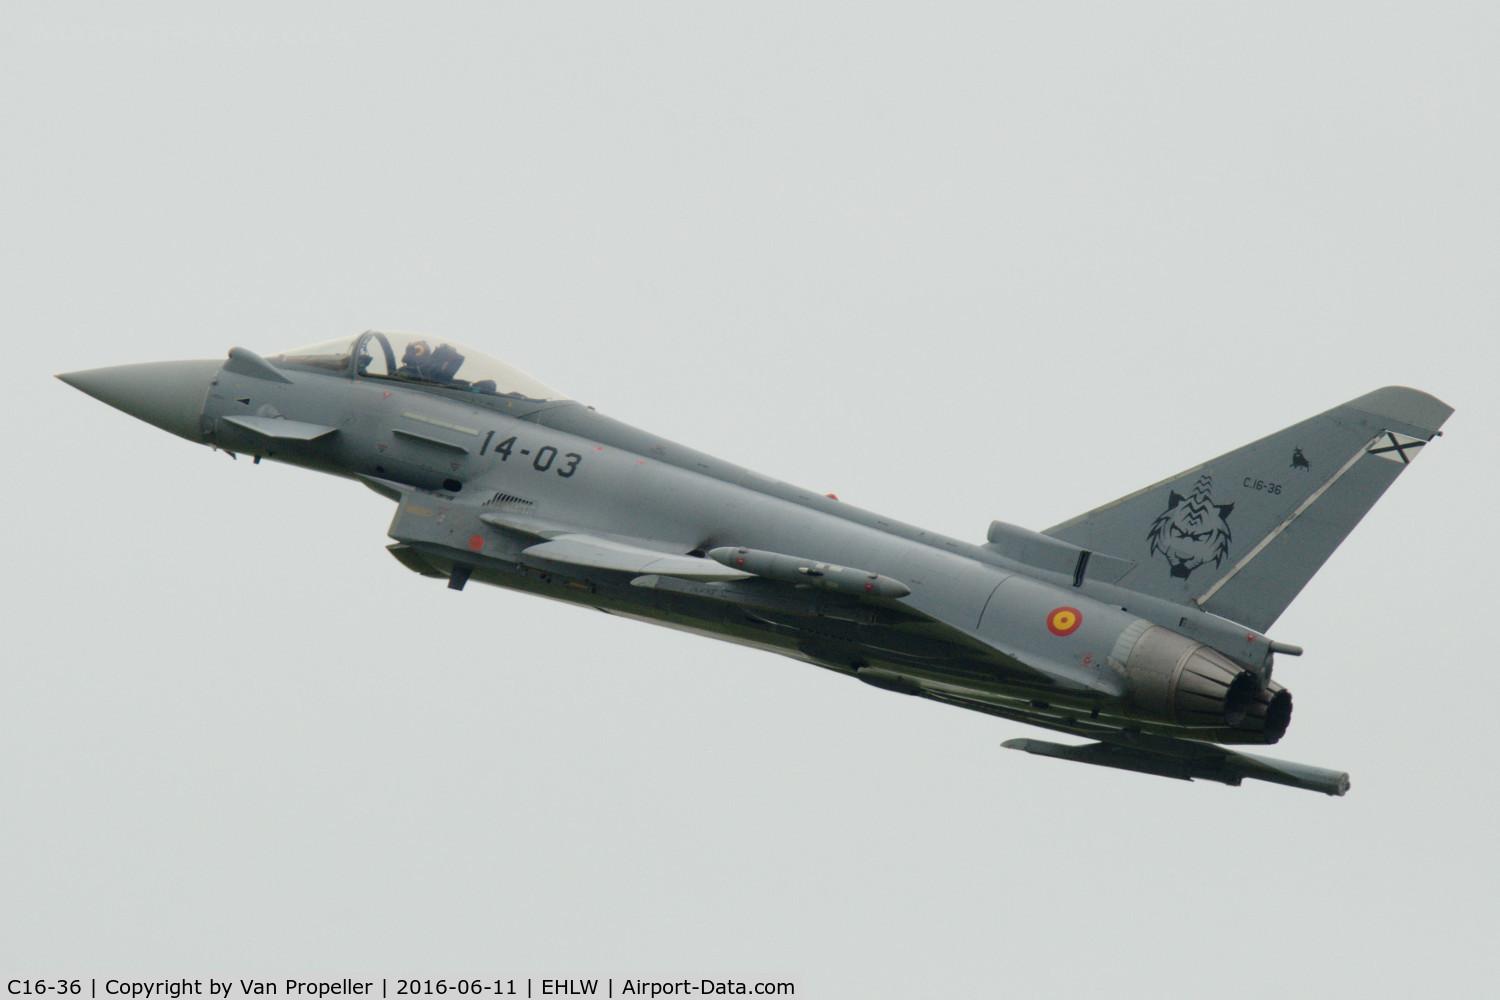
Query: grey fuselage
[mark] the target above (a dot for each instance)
(1139, 624)
(982, 619)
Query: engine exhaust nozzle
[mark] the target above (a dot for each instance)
(1183, 681)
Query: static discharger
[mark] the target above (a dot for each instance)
(792, 569)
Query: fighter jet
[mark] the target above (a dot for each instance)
(1139, 626)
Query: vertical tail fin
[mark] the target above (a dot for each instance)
(1242, 534)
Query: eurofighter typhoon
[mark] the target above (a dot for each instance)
(1139, 626)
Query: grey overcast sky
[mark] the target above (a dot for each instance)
(953, 262)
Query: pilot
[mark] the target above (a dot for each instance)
(416, 351)
(417, 361)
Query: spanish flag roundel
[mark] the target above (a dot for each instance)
(1064, 621)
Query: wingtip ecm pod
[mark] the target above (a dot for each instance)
(1184, 759)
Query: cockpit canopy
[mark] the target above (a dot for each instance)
(415, 357)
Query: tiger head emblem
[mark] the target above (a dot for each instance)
(1193, 530)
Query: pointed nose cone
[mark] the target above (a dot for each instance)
(169, 394)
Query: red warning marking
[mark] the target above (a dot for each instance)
(1064, 621)
(476, 543)
(830, 496)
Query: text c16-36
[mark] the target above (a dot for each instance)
(42, 987)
